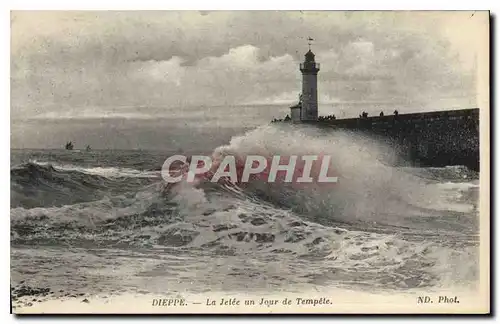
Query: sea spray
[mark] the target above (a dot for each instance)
(368, 185)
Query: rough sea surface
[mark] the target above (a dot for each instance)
(103, 223)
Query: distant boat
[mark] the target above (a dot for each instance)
(88, 148)
(69, 146)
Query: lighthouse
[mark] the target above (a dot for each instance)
(307, 108)
(309, 69)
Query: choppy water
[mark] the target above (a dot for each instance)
(103, 222)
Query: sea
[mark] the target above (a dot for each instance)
(104, 222)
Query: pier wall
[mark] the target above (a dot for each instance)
(436, 139)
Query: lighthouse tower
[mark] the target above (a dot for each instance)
(309, 69)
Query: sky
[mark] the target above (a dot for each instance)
(175, 65)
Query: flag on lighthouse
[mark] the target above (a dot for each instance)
(309, 39)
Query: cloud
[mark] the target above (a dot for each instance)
(63, 62)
